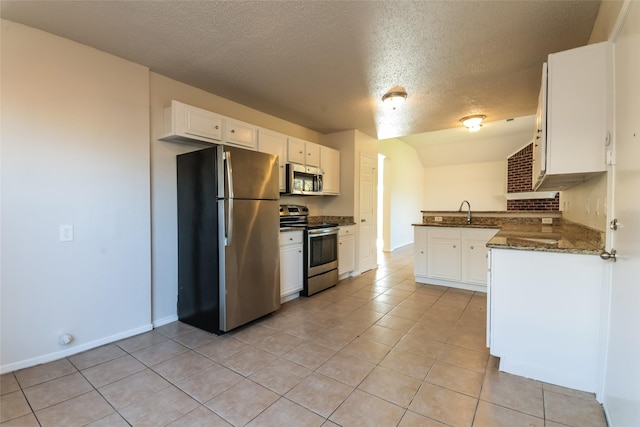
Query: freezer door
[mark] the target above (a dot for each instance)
(251, 273)
(250, 175)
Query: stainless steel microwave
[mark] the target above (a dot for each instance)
(303, 180)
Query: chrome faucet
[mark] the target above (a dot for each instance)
(468, 210)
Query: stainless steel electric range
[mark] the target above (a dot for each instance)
(320, 248)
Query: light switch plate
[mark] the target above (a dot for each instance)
(438, 219)
(66, 233)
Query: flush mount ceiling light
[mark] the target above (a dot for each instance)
(394, 97)
(473, 123)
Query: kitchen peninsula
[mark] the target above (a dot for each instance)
(543, 276)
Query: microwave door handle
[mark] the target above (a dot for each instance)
(229, 224)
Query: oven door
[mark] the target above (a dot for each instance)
(322, 247)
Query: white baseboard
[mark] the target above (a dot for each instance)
(450, 283)
(165, 320)
(73, 350)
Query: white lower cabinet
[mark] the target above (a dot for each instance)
(443, 253)
(346, 249)
(291, 264)
(547, 316)
(452, 256)
(475, 254)
(420, 251)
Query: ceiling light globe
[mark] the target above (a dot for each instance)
(473, 123)
(394, 99)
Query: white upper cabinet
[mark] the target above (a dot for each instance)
(296, 151)
(330, 165)
(275, 143)
(240, 134)
(312, 151)
(303, 152)
(184, 123)
(579, 99)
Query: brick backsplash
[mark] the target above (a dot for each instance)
(519, 179)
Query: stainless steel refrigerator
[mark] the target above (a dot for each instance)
(228, 228)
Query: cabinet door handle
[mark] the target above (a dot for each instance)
(454, 246)
(233, 131)
(216, 127)
(471, 247)
(291, 238)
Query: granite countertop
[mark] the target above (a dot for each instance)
(525, 231)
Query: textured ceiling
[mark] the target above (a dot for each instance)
(326, 64)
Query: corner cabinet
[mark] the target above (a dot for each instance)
(184, 123)
(452, 256)
(291, 265)
(578, 117)
(330, 165)
(346, 250)
(275, 143)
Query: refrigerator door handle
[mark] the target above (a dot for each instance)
(229, 223)
(229, 171)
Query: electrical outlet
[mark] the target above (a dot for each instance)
(438, 219)
(66, 233)
(547, 220)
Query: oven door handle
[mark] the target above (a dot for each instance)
(323, 232)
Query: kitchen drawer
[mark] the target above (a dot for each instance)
(347, 230)
(290, 238)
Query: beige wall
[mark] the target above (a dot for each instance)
(75, 150)
(482, 184)
(403, 192)
(605, 21)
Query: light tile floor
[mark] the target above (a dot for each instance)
(376, 350)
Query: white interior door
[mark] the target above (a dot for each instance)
(367, 233)
(622, 375)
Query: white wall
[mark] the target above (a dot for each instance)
(482, 184)
(163, 179)
(75, 150)
(404, 183)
